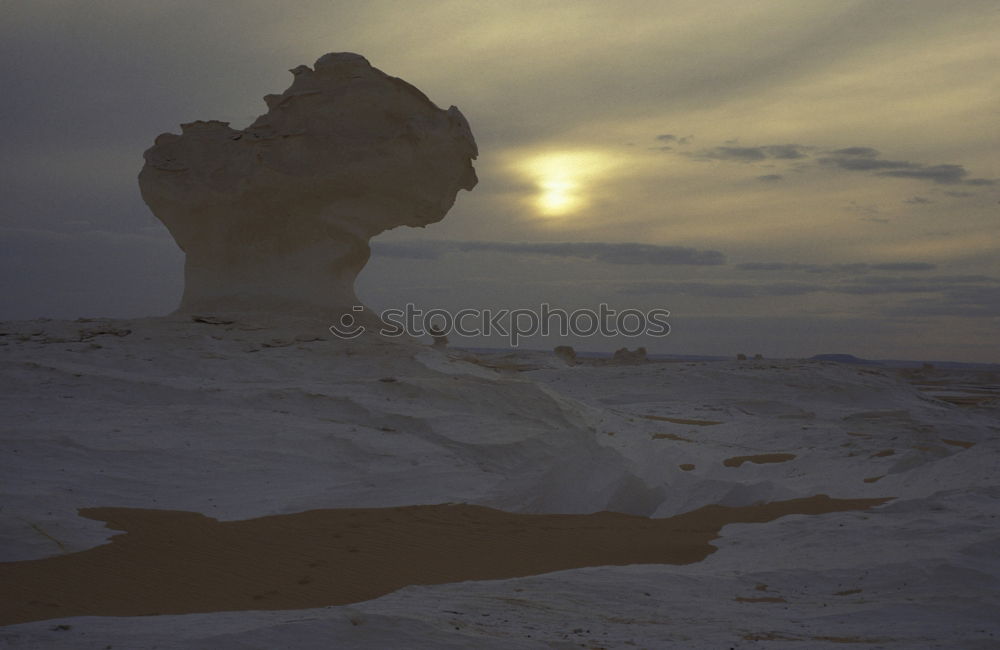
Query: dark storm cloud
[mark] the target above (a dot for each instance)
(87, 273)
(836, 268)
(88, 86)
(623, 253)
(770, 178)
(128, 69)
(670, 137)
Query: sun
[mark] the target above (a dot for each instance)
(557, 196)
(563, 180)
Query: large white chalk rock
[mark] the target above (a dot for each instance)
(276, 218)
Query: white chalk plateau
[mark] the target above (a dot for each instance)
(276, 218)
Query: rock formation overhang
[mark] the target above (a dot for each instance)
(276, 218)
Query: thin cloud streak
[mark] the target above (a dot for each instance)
(753, 154)
(979, 290)
(852, 159)
(610, 253)
(836, 268)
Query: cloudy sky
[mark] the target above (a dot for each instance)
(786, 177)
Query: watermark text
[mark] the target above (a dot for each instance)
(514, 324)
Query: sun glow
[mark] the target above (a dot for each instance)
(557, 196)
(563, 180)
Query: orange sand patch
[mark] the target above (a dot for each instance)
(697, 423)
(172, 562)
(883, 453)
(874, 479)
(775, 636)
(967, 400)
(769, 636)
(500, 364)
(853, 639)
(687, 467)
(669, 436)
(759, 459)
(935, 450)
(765, 599)
(958, 443)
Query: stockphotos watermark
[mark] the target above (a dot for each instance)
(514, 324)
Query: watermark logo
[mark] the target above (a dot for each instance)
(349, 327)
(515, 324)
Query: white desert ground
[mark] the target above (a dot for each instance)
(196, 483)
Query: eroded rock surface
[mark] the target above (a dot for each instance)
(276, 218)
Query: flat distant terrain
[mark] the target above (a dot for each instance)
(177, 484)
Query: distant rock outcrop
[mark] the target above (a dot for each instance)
(566, 353)
(276, 218)
(626, 356)
(843, 358)
(439, 338)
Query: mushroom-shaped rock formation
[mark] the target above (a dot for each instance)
(276, 218)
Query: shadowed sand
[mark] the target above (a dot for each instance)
(173, 562)
(698, 423)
